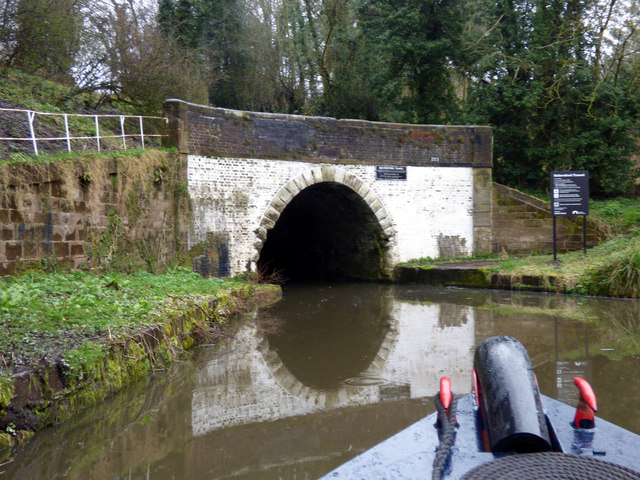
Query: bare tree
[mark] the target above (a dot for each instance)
(125, 54)
(615, 36)
(276, 79)
(8, 28)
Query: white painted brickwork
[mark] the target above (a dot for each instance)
(243, 197)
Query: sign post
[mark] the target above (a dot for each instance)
(570, 196)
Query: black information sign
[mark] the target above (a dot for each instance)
(570, 193)
(391, 172)
(570, 196)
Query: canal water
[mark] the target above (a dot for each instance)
(328, 372)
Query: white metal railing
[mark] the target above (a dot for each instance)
(34, 139)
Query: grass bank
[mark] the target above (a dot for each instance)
(611, 269)
(68, 340)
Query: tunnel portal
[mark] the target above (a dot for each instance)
(326, 232)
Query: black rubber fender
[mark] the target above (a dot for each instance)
(509, 397)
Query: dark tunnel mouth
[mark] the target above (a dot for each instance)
(326, 232)
(335, 340)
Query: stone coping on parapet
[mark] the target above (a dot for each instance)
(212, 131)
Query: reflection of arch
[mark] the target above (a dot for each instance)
(251, 383)
(326, 399)
(269, 390)
(323, 173)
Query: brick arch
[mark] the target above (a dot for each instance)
(324, 173)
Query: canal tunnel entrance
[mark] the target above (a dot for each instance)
(327, 232)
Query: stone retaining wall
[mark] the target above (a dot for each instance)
(523, 224)
(123, 211)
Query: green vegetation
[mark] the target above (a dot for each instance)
(426, 261)
(557, 81)
(35, 93)
(23, 91)
(621, 214)
(70, 340)
(73, 316)
(611, 268)
(618, 275)
(64, 156)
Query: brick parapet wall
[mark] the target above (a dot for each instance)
(523, 224)
(57, 213)
(218, 132)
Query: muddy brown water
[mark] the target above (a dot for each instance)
(329, 372)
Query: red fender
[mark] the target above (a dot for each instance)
(476, 387)
(587, 405)
(486, 446)
(445, 393)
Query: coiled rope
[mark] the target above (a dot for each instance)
(550, 466)
(447, 435)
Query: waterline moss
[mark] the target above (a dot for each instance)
(90, 335)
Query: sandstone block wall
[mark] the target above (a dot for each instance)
(125, 212)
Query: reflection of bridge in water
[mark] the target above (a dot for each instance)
(258, 411)
(253, 381)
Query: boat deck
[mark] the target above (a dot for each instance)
(409, 454)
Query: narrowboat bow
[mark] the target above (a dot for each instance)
(504, 429)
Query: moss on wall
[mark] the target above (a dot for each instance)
(122, 211)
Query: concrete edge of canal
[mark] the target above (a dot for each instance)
(51, 394)
(476, 275)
